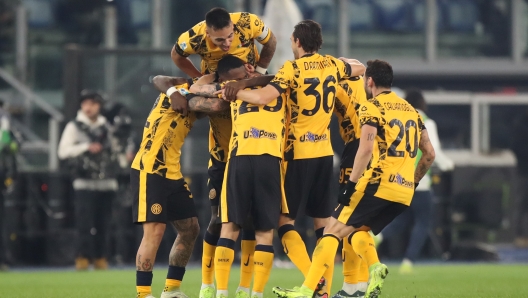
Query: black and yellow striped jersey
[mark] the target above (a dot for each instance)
(247, 28)
(312, 81)
(163, 136)
(258, 129)
(391, 175)
(350, 95)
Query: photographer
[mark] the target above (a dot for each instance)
(87, 145)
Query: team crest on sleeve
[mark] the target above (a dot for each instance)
(183, 45)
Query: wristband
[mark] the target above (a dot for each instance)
(261, 70)
(170, 91)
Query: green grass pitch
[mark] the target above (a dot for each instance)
(445, 280)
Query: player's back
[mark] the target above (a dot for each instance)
(391, 175)
(163, 136)
(312, 80)
(258, 129)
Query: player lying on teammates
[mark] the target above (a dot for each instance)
(310, 80)
(223, 33)
(391, 133)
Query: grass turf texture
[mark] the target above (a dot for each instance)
(455, 280)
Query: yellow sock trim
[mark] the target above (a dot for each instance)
(143, 291)
(263, 265)
(295, 248)
(223, 260)
(208, 263)
(363, 244)
(323, 258)
(172, 284)
(247, 262)
(351, 264)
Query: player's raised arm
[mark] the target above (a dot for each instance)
(231, 88)
(266, 54)
(184, 63)
(427, 159)
(261, 96)
(264, 36)
(163, 83)
(357, 68)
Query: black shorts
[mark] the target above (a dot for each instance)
(307, 183)
(216, 179)
(368, 210)
(158, 199)
(253, 192)
(347, 161)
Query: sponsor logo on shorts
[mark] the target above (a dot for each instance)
(398, 179)
(313, 138)
(256, 133)
(156, 209)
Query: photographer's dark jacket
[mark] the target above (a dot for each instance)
(90, 171)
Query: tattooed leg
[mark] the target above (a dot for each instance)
(146, 255)
(188, 229)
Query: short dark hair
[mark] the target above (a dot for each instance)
(415, 98)
(227, 63)
(217, 18)
(381, 73)
(90, 94)
(309, 34)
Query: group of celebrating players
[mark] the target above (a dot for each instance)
(270, 156)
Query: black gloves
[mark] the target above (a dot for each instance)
(346, 193)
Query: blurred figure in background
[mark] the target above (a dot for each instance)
(421, 206)
(87, 145)
(281, 16)
(123, 234)
(520, 126)
(8, 171)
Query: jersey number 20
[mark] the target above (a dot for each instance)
(404, 132)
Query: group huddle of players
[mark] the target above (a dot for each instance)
(270, 156)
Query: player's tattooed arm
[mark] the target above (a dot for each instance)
(209, 105)
(205, 86)
(188, 230)
(205, 90)
(267, 52)
(428, 156)
(163, 83)
(364, 152)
